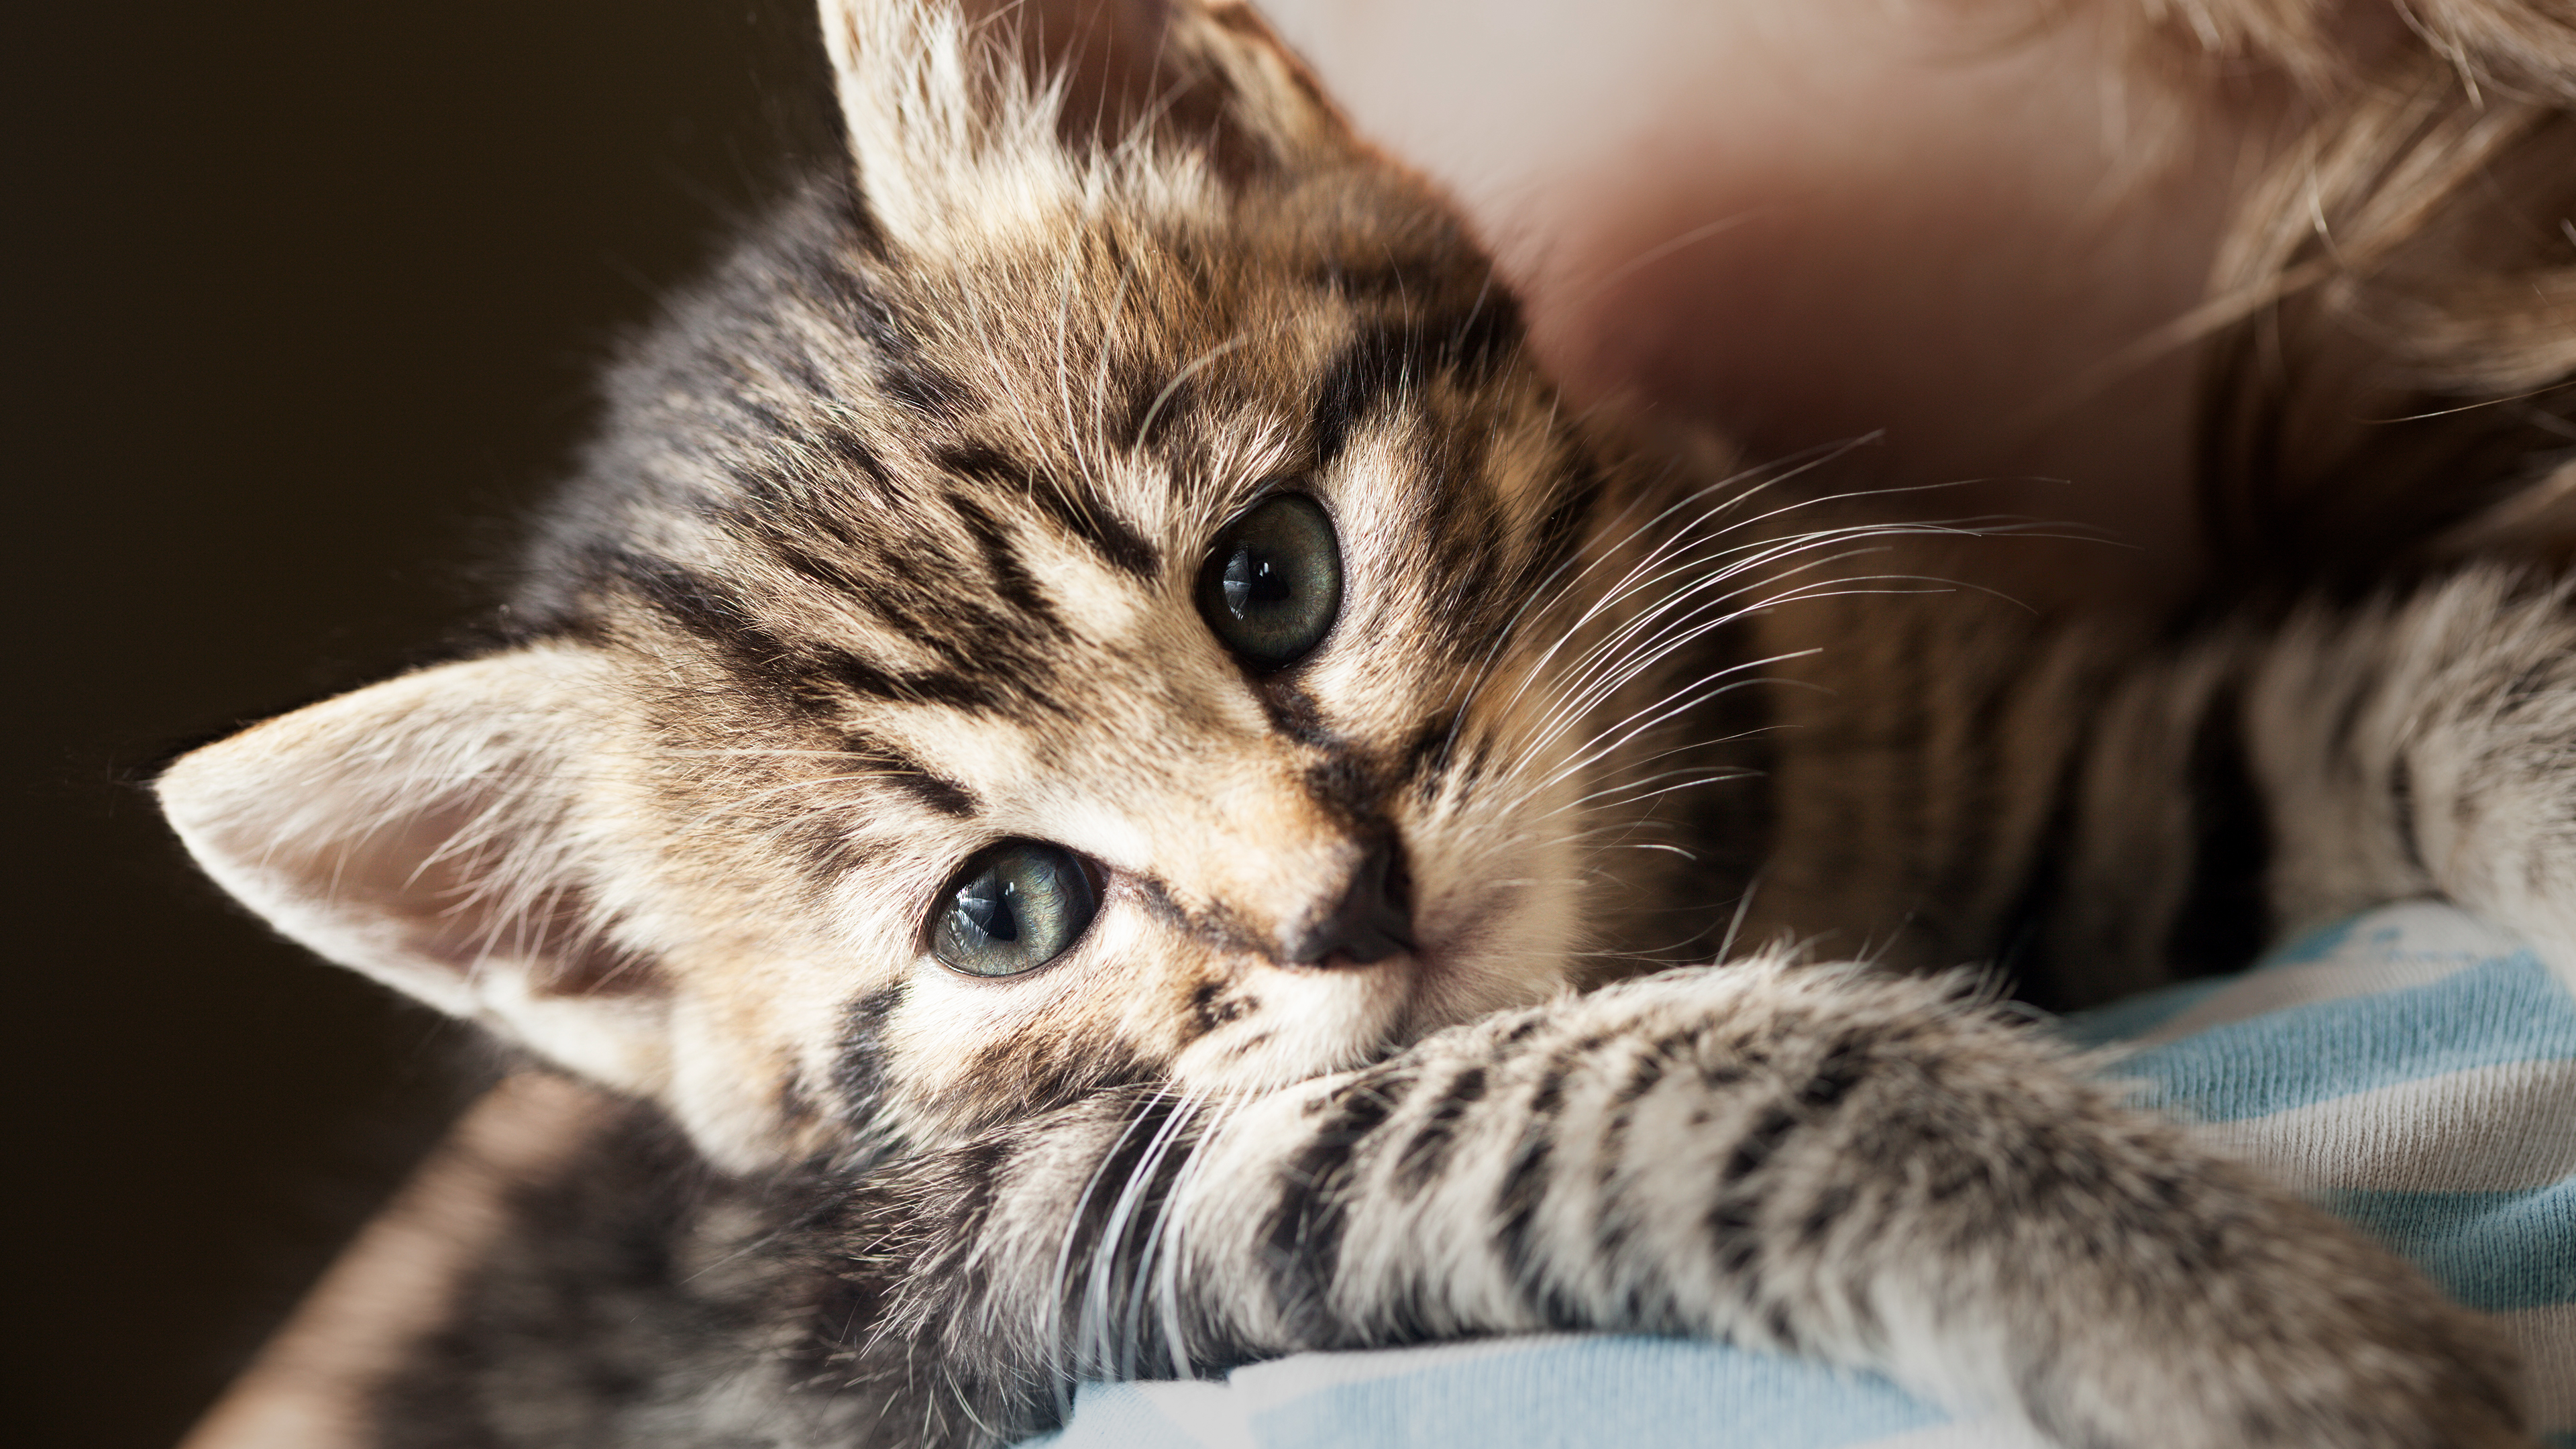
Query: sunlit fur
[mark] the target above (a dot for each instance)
(889, 553)
(2389, 333)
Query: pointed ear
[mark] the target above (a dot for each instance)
(964, 113)
(430, 832)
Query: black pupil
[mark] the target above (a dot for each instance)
(1274, 581)
(986, 905)
(1253, 582)
(1014, 909)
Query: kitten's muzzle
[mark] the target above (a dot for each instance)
(1372, 921)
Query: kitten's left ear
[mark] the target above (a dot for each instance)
(441, 832)
(964, 114)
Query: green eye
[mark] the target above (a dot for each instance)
(1273, 583)
(1013, 909)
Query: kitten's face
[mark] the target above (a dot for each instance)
(1165, 608)
(1092, 628)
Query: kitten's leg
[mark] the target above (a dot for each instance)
(2105, 814)
(2275, 775)
(1853, 1167)
(2424, 747)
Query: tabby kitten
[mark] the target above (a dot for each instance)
(1091, 710)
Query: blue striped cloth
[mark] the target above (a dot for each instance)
(2411, 1069)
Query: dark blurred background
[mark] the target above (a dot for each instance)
(304, 301)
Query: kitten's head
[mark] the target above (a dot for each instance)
(1082, 599)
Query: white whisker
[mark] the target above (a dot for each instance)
(1145, 427)
(1100, 372)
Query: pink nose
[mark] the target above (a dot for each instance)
(1372, 920)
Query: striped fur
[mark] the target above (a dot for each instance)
(1672, 1155)
(1675, 1156)
(888, 554)
(2107, 814)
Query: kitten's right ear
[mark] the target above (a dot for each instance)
(435, 832)
(965, 115)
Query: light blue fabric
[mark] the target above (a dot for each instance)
(2505, 1010)
(2410, 1069)
(2494, 1251)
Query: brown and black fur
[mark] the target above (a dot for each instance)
(888, 554)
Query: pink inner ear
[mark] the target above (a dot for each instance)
(1122, 69)
(470, 908)
(577, 957)
(555, 938)
(1118, 72)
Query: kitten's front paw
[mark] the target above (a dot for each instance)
(2019, 1232)
(2265, 1323)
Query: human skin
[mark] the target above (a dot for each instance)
(1935, 224)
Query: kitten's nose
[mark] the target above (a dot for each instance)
(1371, 921)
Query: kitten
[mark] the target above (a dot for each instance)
(1091, 708)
